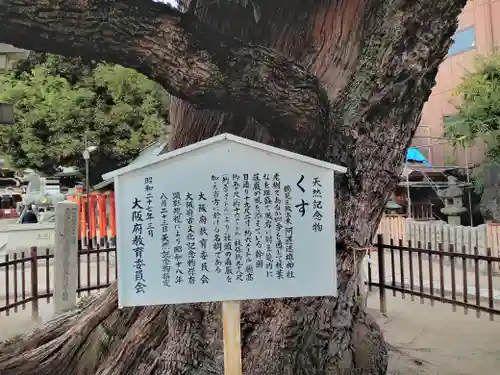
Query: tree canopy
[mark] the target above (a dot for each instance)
(478, 119)
(478, 115)
(57, 99)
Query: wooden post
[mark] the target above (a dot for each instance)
(83, 220)
(381, 274)
(92, 200)
(232, 337)
(112, 219)
(35, 314)
(103, 228)
(78, 201)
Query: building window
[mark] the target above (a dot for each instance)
(463, 40)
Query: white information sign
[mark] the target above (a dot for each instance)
(225, 219)
(22, 236)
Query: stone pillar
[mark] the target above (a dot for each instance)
(454, 220)
(65, 256)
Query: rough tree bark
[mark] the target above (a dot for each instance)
(361, 71)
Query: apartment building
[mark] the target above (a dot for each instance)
(478, 34)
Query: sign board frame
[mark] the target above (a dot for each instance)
(222, 148)
(298, 178)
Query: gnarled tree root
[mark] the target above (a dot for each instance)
(322, 335)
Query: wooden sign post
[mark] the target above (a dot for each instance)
(232, 337)
(225, 220)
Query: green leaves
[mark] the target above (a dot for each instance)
(56, 99)
(479, 118)
(479, 109)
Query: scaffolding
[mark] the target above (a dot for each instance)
(427, 181)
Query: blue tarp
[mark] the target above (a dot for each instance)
(416, 156)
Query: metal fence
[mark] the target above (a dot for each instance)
(450, 275)
(27, 277)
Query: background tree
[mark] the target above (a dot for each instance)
(478, 116)
(73, 69)
(57, 99)
(478, 119)
(340, 80)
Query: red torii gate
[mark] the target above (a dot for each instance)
(97, 218)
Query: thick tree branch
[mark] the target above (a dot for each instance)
(376, 114)
(192, 61)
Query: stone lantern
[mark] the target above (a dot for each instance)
(453, 201)
(391, 208)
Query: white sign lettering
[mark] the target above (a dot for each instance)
(225, 220)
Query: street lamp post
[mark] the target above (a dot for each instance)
(86, 156)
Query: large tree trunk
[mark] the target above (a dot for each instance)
(376, 62)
